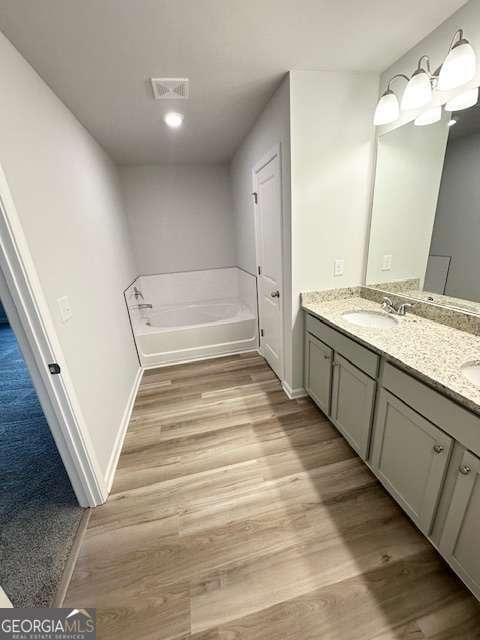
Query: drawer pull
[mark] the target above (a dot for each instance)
(465, 469)
(438, 448)
(327, 357)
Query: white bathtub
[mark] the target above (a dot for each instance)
(193, 327)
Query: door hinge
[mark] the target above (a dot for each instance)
(261, 332)
(54, 369)
(255, 197)
(259, 271)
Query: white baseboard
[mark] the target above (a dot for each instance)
(293, 394)
(122, 432)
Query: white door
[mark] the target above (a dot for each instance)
(268, 222)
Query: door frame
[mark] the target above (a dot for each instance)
(264, 160)
(29, 316)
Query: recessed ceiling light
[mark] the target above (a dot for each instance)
(173, 119)
(452, 122)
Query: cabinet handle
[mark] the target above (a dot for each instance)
(465, 469)
(327, 357)
(438, 448)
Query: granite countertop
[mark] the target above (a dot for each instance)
(430, 351)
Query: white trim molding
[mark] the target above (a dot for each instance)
(4, 601)
(29, 315)
(293, 394)
(122, 432)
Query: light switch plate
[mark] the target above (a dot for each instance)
(338, 267)
(65, 308)
(387, 262)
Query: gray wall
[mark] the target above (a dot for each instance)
(456, 231)
(332, 158)
(180, 217)
(271, 128)
(68, 200)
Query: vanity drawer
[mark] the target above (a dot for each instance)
(361, 357)
(458, 422)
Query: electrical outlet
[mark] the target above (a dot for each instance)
(387, 262)
(338, 266)
(65, 308)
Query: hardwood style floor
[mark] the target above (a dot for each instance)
(237, 513)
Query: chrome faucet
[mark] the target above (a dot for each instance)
(402, 309)
(388, 305)
(137, 293)
(399, 310)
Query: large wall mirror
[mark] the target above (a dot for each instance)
(425, 228)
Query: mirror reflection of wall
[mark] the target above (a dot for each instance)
(409, 169)
(454, 258)
(425, 228)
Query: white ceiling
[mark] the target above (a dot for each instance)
(97, 56)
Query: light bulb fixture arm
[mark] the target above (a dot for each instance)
(459, 33)
(427, 67)
(397, 75)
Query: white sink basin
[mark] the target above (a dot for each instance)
(471, 370)
(372, 319)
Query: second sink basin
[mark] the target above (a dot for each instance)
(372, 319)
(471, 370)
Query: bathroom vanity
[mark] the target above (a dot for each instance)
(397, 392)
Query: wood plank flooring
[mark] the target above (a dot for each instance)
(239, 514)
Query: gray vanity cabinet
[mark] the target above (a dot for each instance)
(353, 397)
(318, 372)
(460, 541)
(410, 455)
(423, 447)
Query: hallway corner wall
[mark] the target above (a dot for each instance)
(67, 196)
(272, 127)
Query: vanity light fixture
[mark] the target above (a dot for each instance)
(388, 108)
(460, 64)
(418, 91)
(463, 101)
(429, 117)
(459, 68)
(173, 119)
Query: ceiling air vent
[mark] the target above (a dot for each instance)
(170, 88)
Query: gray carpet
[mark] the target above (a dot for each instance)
(39, 514)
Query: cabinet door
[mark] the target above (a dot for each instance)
(353, 396)
(410, 456)
(318, 372)
(460, 539)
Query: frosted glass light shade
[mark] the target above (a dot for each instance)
(459, 67)
(429, 117)
(387, 109)
(418, 92)
(463, 101)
